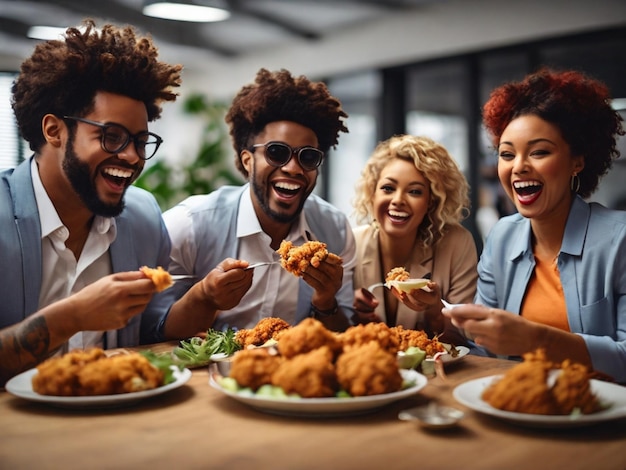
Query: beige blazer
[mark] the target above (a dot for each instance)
(452, 263)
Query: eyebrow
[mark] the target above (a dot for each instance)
(530, 142)
(412, 183)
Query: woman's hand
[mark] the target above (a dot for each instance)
(364, 305)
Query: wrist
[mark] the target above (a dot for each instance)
(318, 312)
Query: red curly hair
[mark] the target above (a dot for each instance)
(62, 77)
(278, 96)
(572, 101)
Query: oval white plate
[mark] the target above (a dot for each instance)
(21, 386)
(322, 407)
(469, 394)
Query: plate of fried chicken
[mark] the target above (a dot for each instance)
(311, 371)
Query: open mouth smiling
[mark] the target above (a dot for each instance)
(287, 189)
(118, 176)
(397, 216)
(527, 191)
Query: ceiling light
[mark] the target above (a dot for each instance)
(45, 32)
(185, 12)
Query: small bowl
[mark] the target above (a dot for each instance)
(410, 360)
(433, 416)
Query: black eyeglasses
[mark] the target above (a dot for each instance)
(278, 154)
(116, 138)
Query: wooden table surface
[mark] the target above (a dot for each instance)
(196, 426)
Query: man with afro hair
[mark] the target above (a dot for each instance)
(282, 128)
(73, 231)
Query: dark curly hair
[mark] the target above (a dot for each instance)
(62, 77)
(575, 103)
(278, 96)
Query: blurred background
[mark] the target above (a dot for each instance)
(399, 66)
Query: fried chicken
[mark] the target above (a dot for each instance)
(368, 370)
(265, 330)
(527, 388)
(361, 334)
(296, 259)
(159, 276)
(91, 372)
(417, 338)
(397, 274)
(310, 375)
(254, 367)
(306, 336)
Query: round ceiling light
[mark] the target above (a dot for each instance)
(185, 12)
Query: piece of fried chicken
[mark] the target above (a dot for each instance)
(91, 372)
(360, 335)
(417, 338)
(296, 259)
(368, 370)
(310, 375)
(306, 336)
(254, 367)
(265, 330)
(572, 390)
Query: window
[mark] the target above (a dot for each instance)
(12, 145)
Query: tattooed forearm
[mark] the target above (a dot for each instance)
(23, 346)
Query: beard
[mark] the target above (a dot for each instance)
(79, 177)
(261, 191)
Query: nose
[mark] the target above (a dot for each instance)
(397, 197)
(519, 164)
(129, 153)
(293, 166)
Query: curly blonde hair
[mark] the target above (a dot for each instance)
(449, 190)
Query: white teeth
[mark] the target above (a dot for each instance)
(525, 184)
(118, 173)
(398, 214)
(290, 187)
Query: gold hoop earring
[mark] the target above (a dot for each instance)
(574, 183)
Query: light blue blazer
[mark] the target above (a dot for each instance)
(142, 239)
(592, 265)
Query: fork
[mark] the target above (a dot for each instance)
(262, 263)
(178, 277)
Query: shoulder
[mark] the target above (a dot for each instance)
(223, 198)
(315, 206)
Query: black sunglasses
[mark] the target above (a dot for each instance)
(278, 154)
(116, 138)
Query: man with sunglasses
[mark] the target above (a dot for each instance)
(282, 128)
(73, 231)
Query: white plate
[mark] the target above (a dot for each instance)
(469, 394)
(21, 386)
(323, 407)
(449, 358)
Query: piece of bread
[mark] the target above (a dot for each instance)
(159, 276)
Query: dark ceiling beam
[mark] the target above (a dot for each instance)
(175, 32)
(237, 6)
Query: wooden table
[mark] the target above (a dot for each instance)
(197, 427)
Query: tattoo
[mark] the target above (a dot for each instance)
(34, 337)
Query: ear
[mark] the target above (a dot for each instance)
(246, 160)
(54, 130)
(578, 164)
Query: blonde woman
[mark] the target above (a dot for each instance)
(412, 197)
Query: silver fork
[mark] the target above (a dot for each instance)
(262, 263)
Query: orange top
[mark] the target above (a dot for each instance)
(544, 301)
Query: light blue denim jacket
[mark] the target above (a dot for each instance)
(592, 265)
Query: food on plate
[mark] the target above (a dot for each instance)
(197, 351)
(92, 372)
(417, 338)
(253, 368)
(397, 274)
(368, 370)
(361, 334)
(400, 279)
(159, 276)
(540, 386)
(309, 375)
(306, 336)
(265, 330)
(296, 259)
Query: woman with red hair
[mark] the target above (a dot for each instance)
(553, 276)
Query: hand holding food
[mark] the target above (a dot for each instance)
(159, 276)
(296, 259)
(225, 285)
